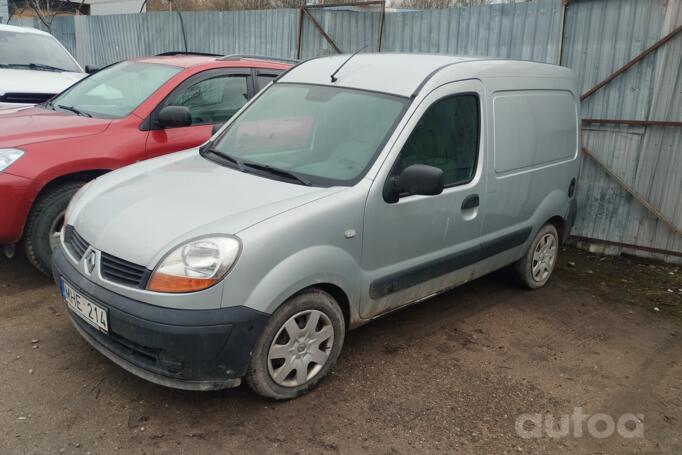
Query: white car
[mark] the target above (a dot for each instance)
(34, 66)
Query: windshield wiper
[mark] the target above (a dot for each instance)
(243, 165)
(35, 66)
(220, 156)
(279, 172)
(74, 110)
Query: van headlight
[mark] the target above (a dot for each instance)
(9, 156)
(195, 265)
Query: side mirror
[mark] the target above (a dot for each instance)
(418, 179)
(92, 69)
(175, 116)
(216, 128)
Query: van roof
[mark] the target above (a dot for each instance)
(405, 74)
(16, 29)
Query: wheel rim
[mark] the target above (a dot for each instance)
(301, 348)
(544, 257)
(55, 231)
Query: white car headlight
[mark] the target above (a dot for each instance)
(9, 156)
(196, 265)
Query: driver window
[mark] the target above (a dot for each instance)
(213, 100)
(446, 137)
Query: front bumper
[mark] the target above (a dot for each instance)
(15, 202)
(183, 349)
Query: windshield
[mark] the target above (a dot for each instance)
(39, 52)
(327, 135)
(115, 91)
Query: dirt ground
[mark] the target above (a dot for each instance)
(449, 375)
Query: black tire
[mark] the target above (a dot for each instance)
(45, 212)
(524, 266)
(258, 376)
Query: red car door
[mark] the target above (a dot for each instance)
(212, 97)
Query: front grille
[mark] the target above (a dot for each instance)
(123, 272)
(77, 244)
(27, 98)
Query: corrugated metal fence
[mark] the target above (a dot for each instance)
(599, 36)
(4, 12)
(528, 31)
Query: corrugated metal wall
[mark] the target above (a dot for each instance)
(4, 11)
(102, 40)
(528, 31)
(599, 37)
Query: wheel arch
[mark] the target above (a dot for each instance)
(79, 176)
(337, 293)
(560, 224)
(45, 188)
(323, 267)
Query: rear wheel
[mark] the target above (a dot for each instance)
(298, 347)
(44, 224)
(536, 266)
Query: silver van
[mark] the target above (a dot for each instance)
(347, 189)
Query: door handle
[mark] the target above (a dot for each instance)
(470, 202)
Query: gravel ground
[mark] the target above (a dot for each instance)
(449, 375)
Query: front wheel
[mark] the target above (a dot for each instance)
(298, 347)
(537, 265)
(45, 223)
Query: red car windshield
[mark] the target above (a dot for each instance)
(115, 91)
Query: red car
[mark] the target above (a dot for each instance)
(127, 112)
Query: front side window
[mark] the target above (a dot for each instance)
(446, 137)
(213, 100)
(115, 91)
(329, 135)
(33, 51)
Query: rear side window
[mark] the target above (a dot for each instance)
(446, 137)
(534, 128)
(213, 100)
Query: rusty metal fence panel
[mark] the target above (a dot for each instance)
(599, 37)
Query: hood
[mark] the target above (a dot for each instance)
(140, 212)
(35, 81)
(22, 126)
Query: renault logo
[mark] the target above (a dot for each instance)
(90, 262)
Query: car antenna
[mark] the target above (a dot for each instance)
(334, 78)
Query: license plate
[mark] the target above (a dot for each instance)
(89, 311)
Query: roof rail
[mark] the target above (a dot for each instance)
(259, 57)
(204, 54)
